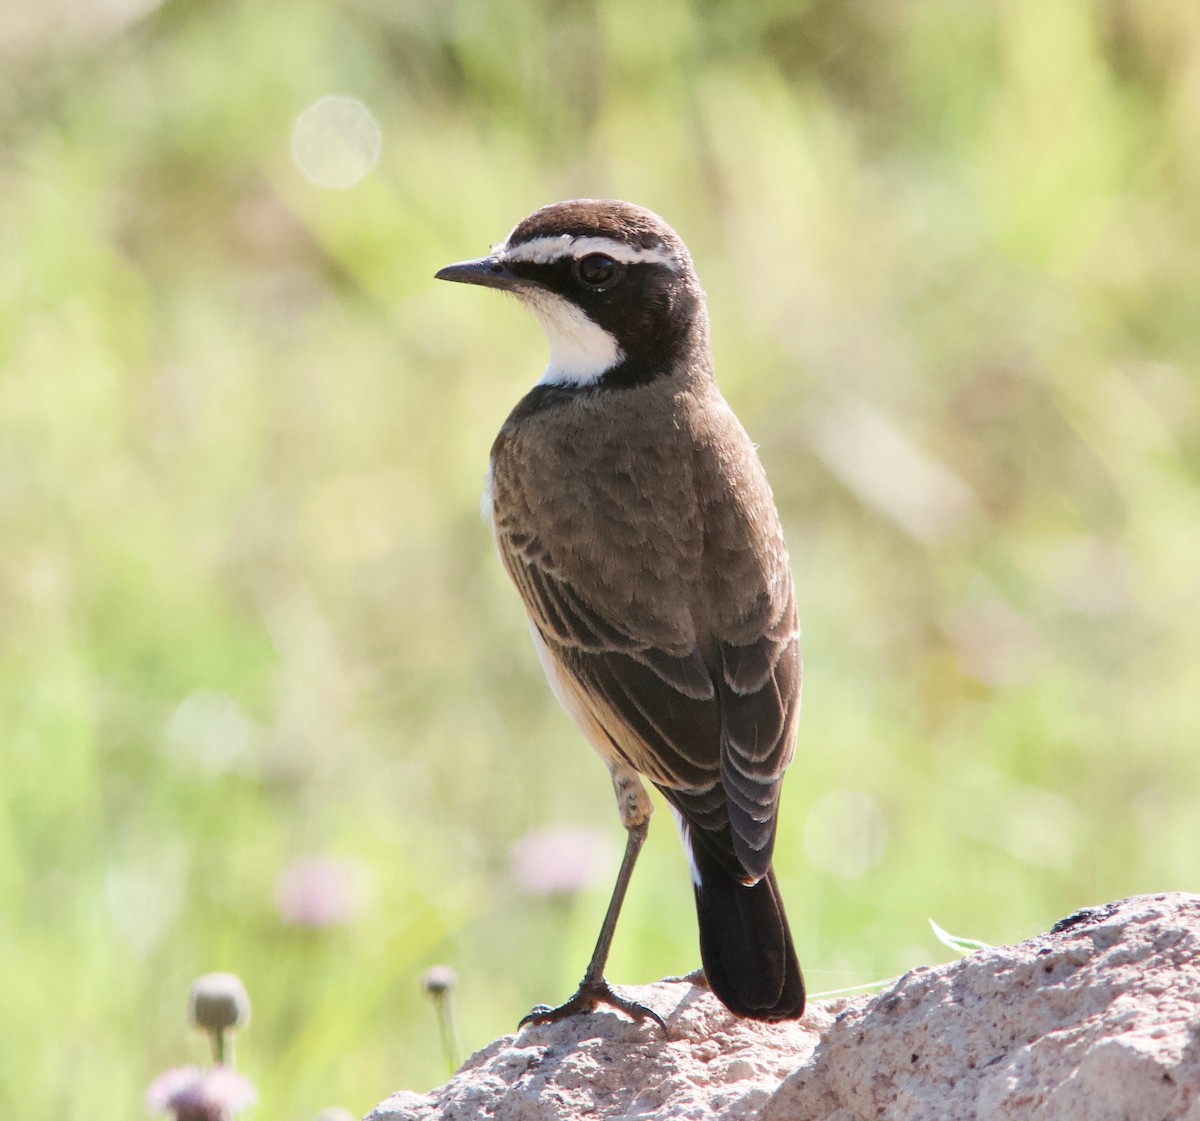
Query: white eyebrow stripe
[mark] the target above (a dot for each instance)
(543, 250)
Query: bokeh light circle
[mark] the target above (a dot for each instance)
(336, 141)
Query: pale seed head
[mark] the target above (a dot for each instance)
(439, 979)
(218, 1002)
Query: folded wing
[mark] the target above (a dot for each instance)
(709, 722)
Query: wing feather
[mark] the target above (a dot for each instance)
(757, 745)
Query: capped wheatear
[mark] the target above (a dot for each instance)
(634, 517)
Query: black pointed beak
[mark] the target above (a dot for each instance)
(490, 272)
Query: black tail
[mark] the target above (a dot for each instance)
(745, 943)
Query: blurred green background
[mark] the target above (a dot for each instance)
(249, 614)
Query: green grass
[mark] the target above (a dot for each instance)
(242, 437)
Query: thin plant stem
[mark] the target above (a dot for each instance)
(445, 1015)
(222, 1045)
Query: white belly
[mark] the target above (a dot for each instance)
(485, 499)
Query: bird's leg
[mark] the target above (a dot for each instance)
(594, 989)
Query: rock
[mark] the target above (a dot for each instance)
(711, 1065)
(1099, 1019)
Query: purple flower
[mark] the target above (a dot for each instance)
(320, 891)
(560, 860)
(192, 1094)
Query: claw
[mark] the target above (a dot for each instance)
(589, 995)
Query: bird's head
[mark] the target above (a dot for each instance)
(612, 286)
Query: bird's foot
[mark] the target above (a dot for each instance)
(586, 999)
(697, 977)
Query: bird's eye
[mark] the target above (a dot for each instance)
(598, 270)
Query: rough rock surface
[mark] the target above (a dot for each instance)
(711, 1065)
(1098, 1020)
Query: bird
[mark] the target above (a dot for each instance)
(633, 514)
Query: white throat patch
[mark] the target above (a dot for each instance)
(581, 351)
